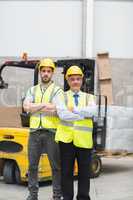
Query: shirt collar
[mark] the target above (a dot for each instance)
(44, 86)
(72, 93)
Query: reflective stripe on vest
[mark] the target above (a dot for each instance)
(65, 123)
(81, 128)
(80, 132)
(40, 119)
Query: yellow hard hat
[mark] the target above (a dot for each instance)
(74, 70)
(46, 62)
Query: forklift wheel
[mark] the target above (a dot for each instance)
(17, 174)
(96, 166)
(9, 172)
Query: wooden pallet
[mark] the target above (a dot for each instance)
(114, 153)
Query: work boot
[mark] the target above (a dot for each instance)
(32, 197)
(57, 197)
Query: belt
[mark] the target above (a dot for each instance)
(50, 130)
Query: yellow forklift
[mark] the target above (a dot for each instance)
(15, 78)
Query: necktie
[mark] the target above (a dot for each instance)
(76, 99)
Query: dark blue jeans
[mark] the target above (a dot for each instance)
(68, 154)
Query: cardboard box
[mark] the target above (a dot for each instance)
(106, 89)
(104, 67)
(10, 117)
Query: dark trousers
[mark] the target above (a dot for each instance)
(68, 154)
(38, 141)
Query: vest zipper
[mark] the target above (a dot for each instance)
(40, 124)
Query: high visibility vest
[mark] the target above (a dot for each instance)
(78, 132)
(40, 119)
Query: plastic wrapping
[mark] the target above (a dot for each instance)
(119, 129)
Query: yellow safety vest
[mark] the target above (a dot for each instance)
(78, 132)
(40, 119)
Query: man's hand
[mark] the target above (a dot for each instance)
(49, 108)
(70, 108)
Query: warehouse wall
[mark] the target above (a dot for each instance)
(41, 28)
(113, 28)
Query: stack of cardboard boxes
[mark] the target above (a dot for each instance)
(105, 76)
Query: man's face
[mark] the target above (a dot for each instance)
(46, 74)
(75, 82)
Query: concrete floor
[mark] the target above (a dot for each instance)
(115, 183)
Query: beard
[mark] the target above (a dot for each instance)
(45, 80)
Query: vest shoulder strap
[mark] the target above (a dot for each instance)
(33, 91)
(66, 98)
(87, 99)
(90, 99)
(55, 90)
